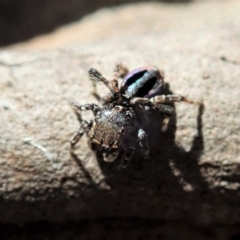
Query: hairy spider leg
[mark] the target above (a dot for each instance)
(96, 76)
(143, 142)
(172, 98)
(120, 71)
(86, 107)
(169, 110)
(166, 110)
(164, 99)
(84, 128)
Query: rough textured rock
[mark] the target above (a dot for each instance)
(193, 175)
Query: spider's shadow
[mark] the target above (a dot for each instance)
(166, 184)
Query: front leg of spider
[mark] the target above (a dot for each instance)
(96, 76)
(120, 71)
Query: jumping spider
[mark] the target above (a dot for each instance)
(119, 124)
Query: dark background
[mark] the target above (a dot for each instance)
(22, 20)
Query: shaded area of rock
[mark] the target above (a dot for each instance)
(22, 20)
(130, 228)
(194, 177)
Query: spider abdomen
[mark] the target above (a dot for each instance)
(142, 82)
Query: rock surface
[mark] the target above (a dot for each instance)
(193, 176)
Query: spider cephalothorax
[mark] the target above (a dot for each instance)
(119, 125)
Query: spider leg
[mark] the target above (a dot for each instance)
(94, 92)
(120, 71)
(93, 107)
(172, 98)
(166, 110)
(143, 141)
(96, 76)
(110, 157)
(84, 128)
(129, 150)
